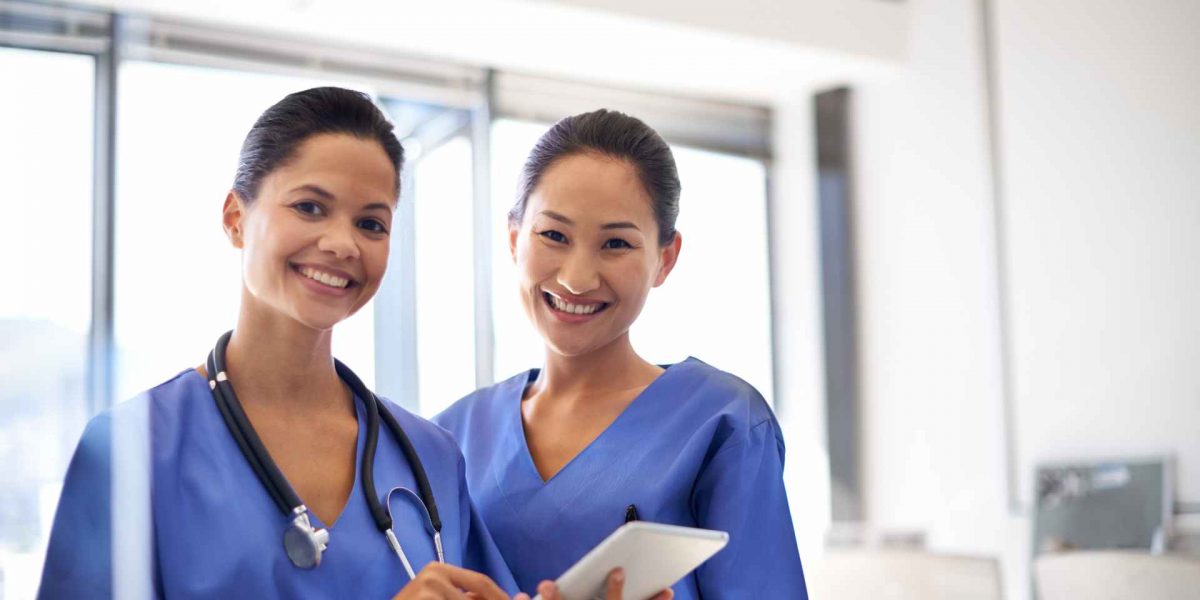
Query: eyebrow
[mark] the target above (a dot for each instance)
(566, 220)
(326, 195)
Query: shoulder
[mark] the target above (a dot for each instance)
(123, 428)
(136, 411)
(727, 407)
(424, 434)
(482, 405)
(184, 388)
(712, 390)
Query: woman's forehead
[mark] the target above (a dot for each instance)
(590, 187)
(341, 165)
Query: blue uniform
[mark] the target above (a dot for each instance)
(699, 447)
(213, 531)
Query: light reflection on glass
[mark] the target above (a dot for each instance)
(45, 308)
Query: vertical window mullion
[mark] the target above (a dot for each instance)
(395, 305)
(481, 161)
(101, 354)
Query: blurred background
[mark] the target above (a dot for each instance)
(953, 242)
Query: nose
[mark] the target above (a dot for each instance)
(578, 273)
(339, 240)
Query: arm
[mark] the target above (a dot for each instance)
(740, 490)
(79, 557)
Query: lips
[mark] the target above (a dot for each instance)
(576, 307)
(327, 277)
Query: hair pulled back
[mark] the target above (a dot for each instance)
(613, 134)
(283, 127)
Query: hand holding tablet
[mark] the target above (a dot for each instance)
(651, 557)
(613, 590)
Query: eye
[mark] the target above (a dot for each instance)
(554, 236)
(373, 225)
(617, 244)
(309, 207)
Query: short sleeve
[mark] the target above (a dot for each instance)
(740, 491)
(79, 556)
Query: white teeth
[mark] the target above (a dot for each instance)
(575, 309)
(325, 278)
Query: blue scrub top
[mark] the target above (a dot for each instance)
(214, 531)
(699, 447)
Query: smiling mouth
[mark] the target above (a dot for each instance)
(560, 305)
(326, 279)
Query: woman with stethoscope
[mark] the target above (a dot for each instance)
(273, 471)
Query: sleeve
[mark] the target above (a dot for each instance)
(79, 556)
(740, 490)
(480, 553)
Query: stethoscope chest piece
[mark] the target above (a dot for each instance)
(304, 543)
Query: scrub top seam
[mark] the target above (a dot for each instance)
(741, 440)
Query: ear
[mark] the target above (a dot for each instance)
(514, 231)
(667, 258)
(232, 214)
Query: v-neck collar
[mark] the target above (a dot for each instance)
(359, 445)
(516, 392)
(356, 497)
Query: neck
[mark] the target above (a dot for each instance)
(612, 368)
(275, 361)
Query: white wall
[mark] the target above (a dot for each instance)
(1101, 126)
(1101, 145)
(872, 28)
(929, 326)
(799, 361)
(931, 379)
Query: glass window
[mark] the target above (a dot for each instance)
(721, 281)
(45, 311)
(177, 279)
(518, 346)
(716, 304)
(445, 258)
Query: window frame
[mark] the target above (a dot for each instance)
(470, 98)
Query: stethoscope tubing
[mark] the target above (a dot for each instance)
(277, 486)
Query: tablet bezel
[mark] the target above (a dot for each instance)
(687, 547)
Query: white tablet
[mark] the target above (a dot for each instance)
(654, 557)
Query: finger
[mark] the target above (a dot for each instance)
(442, 588)
(616, 584)
(666, 594)
(548, 590)
(470, 581)
(521, 596)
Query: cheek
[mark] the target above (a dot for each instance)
(256, 252)
(377, 259)
(534, 262)
(632, 279)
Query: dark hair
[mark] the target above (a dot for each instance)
(281, 129)
(613, 134)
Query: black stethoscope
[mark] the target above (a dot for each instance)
(303, 542)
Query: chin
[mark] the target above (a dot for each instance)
(572, 347)
(321, 320)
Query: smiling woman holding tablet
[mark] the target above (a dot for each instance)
(558, 458)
